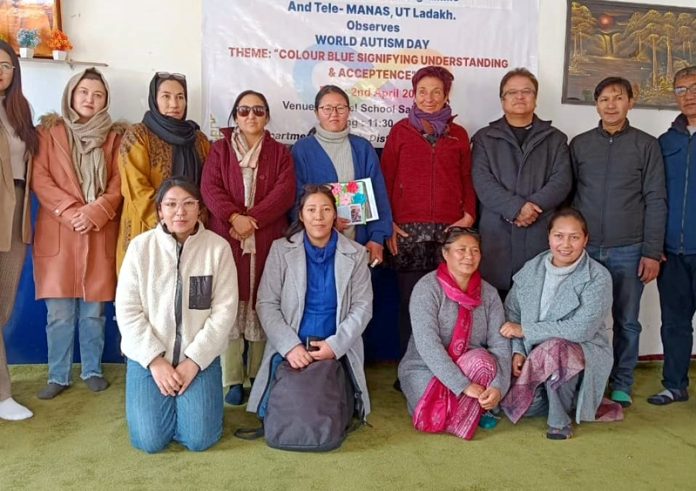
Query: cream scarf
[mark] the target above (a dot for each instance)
(248, 160)
(86, 140)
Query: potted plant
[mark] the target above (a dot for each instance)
(28, 39)
(60, 44)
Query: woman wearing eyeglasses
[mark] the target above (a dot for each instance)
(457, 364)
(248, 185)
(331, 154)
(165, 144)
(18, 143)
(76, 180)
(175, 302)
(427, 168)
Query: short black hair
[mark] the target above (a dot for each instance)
(568, 212)
(329, 89)
(609, 81)
(177, 182)
(683, 73)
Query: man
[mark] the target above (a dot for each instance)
(620, 189)
(521, 172)
(677, 280)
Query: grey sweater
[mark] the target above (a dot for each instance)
(433, 317)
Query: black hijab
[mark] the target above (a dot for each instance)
(179, 133)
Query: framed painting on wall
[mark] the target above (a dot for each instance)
(43, 15)
(645, 44)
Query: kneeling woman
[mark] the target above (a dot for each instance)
(457, 365)
(316, 285)
(176, 301)
(562, 348)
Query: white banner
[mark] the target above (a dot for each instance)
(287, 50)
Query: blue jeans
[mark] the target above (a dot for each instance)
(63, 313)
(193, 419)
(677, 286)
(622, 262)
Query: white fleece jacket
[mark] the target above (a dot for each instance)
(146, 291)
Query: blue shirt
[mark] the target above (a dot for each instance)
(321, 303)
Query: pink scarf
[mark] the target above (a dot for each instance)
(439, 407)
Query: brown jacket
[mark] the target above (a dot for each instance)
(66, 263)
(7, 197)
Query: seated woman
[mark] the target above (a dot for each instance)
(316, 285)
(457, 365)
(562, 348)
(176, 301)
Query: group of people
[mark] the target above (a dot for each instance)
(223, 258)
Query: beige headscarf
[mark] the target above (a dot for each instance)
(86, 140)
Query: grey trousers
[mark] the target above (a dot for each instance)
(11, 263)
(557, 404)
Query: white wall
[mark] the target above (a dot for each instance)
(138, 38)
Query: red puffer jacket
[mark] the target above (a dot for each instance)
(428, 183)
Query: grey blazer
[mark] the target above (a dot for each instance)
(577, 313)
(281, 300)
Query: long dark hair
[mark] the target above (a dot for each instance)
(17, 106)
(307, 191)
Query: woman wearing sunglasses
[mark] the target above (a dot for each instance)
(248, 185)
(76, 180)
(457, 364)
(331, 154)
(18, 143)
(165, 144)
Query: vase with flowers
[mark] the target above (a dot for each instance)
(28, 39)
(60, 44)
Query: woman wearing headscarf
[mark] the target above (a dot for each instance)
(76, 180)
(165, 144)
(18, 143)
(427, 169)
(248, 186)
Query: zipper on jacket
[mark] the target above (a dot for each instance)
(602, 237)
(178, 306)
(432, 181)
(686, 189)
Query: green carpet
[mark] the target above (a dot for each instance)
(79, 441)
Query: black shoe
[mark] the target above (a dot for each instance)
(668, 396)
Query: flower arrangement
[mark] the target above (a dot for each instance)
(58, 41)
(28, 38)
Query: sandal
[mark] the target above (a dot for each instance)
(564, 433)
(668, 396)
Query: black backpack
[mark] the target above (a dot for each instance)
(308, 410)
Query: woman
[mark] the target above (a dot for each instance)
(18, 143)
(76, 180)
(331, 154)
(165, 144)
(457, 365)
(315, 292)
(427, 169)
(248, 185)
(176, 301)
(562, 348)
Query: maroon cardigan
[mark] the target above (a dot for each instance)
(426, 183)
(223, 193)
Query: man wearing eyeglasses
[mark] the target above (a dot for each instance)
(677, 280)
(620, 189)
